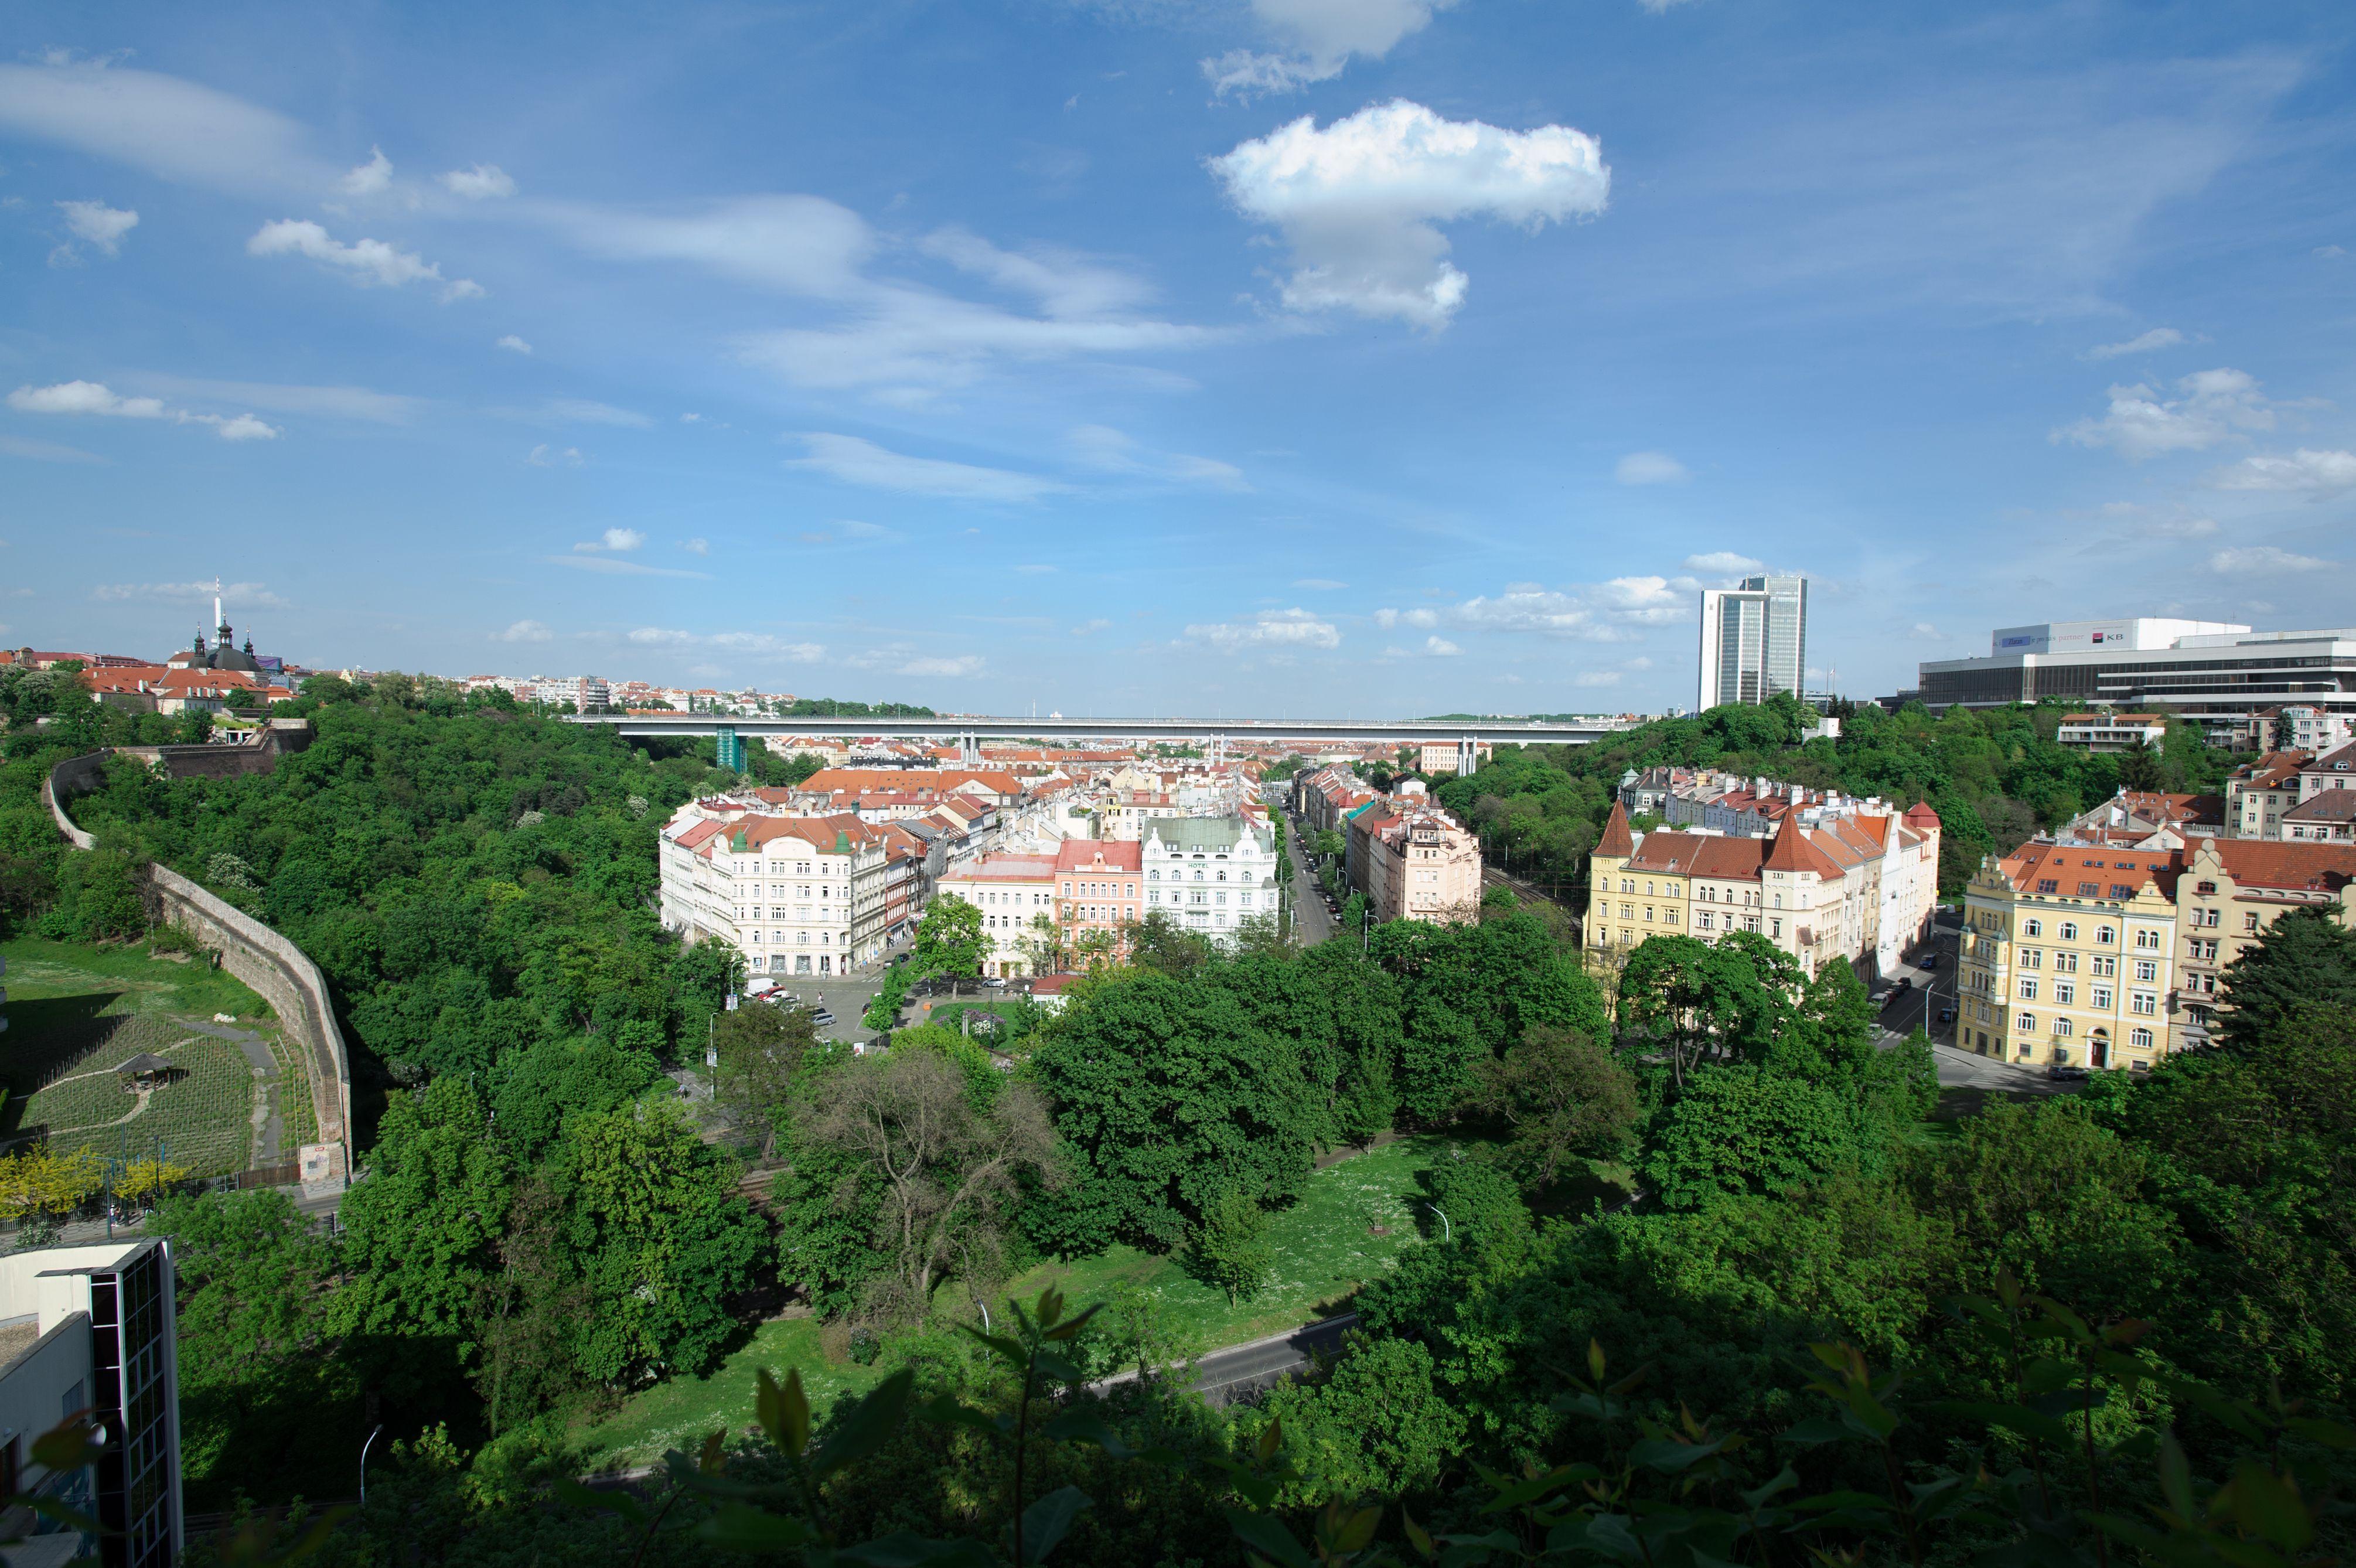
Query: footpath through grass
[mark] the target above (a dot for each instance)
(77, 1010)
(1357, 1216)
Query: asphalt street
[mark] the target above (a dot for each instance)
(1933, 992)
(1240, 1370)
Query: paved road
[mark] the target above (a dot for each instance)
(1934, 989)
(1238, 1370)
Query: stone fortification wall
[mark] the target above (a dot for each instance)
(274, 967)
(69, 778)
(278, 738)
(289, 981)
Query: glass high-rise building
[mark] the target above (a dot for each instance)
(1754, 641)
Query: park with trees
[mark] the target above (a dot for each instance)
(1720, 1278)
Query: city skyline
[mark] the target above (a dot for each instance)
(1122, 359)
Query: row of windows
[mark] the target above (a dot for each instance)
(2100, 997)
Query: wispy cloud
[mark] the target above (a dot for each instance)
(1650, 469)
(2301, 472)
(97, 399)
(2143, 343)
(2265, 561)
(857, 461)
(234, 595)
(1102, 448)
(1292, 628)
(371, 264)
(618, 539)
(615, 566)
(523, 631)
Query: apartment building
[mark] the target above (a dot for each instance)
(2301, 726)
(1861, 888)
(2090, 955)
(1100, 889)
(2111, 732)
(794, 895)
(1012, 891)
(1419, 863)
(2068, 957)
(1210, 874)
(1324, 797)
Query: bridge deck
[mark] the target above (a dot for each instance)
(1521, 730)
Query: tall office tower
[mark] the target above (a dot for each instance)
(1754, 641)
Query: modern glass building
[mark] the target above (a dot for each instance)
(1754, 641)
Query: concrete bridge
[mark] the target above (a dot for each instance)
(1216, 733)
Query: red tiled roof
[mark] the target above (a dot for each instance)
(1792, 852)
(1618, 840)
(1087, 854)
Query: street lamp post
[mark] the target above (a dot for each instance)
(1447, 1231)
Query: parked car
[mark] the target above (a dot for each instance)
(902, 958)
(1946, 1014)
(1930, 960)
(995, 983)
(822, 1017)
(2060, 1071)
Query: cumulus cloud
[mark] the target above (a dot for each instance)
(1923, 631)
(1103, 448)
(697, 546)
(1316, 39)
(2264, 560)
(1613, 611)
(2144, 343)
(856, 461)
(618, 539)
(371, 264)
(234, 595)
(2213, 406)
(96, 398)
(1270, 628)
(1360, 201)
(479, 183)
(2310, 472)
(1440, 648)
(513, 344)
(96, 225)
(1090, 628)
(1724, 563)
(522, 630)
(546, 456)
(370, 178)
(1650, 469)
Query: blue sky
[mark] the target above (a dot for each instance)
(1351, 356)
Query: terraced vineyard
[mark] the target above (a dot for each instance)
(77, 1011)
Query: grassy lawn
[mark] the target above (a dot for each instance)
(677, 1415)
(1325, 1248)
(78, 1009)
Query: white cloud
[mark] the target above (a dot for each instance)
(1321, 585)
(85, 397)
(2316, 473)
(546, 456)
(1318, 38)
(752, 643)
(582, 411)
(615, 566)
(370, 178)
(97, 398)
(94, 224)
(690, 419)
(2215, 406)
(234, 595)
(618, 539)
(2180, 527)
(1270, 628)
(2144, 343)
(1101, 447)
(479, 183)
(697, 546)
(1613, 611)
(958, 667)
(2331, 252)
(369, 262)
(522, 631)
(1724, 563)
(1923, 631)
(1440, 648)
(2264, 560)
(513, 344)
(1034, 569)
(1596, 677)
(1359, 201)
(856, 461)
(1650, 469)
(1090, 628)
(170, 128)
(1390, 619)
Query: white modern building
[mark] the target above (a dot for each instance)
(2216, 674)
(1754, 641)
(90, 1331)
(1210, 874)
(794, 895)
